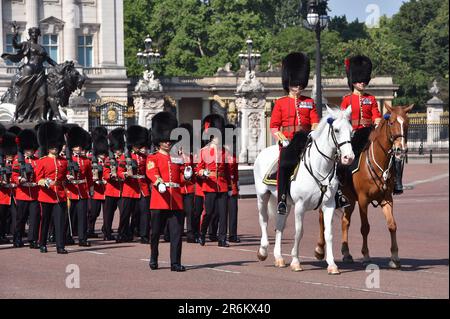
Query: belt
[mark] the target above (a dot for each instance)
(78, 181)
(364, 122)
(136, 176)
(173, 185)
(8, 185)
(291, 128)
(29, 184)
(100, 182)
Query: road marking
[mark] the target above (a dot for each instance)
(215, 269)
(95, 252)
(434, 272)
(432, 179)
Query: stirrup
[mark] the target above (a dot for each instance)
(341, 200)
(282, 208)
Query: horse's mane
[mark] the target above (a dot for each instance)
(316, 133)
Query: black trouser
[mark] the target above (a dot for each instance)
(213, 226)
(58, 211)
(142, 217)
(233, 215)
(289, 158)
(78, 216)
(111, 205)
(216, 203)
(174, 220)
(126, 208)
(197, 215)
(94, 212)
(4, 211)
(188, 202)
(27, 210)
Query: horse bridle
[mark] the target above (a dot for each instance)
(398, 152)
(323, 187)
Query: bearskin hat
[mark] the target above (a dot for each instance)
(8, 144)
(69, 126)
(137, 136)
(88, 139)
(100, 146)
(162, 125)
(295, 70)
(77, 136)
(15, 129)
(117, 139)
(27, 140)
(359, 69)
(99, 131)
(213, 121)
(51, 135)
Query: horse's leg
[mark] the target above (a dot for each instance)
(365, 229)
(281, 223)
(319, 251)
(388, 211)
(299, 214)
(346, 218)
(328, 212)
(263, 200)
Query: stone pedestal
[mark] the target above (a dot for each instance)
(146, 105)
(78, 111)
(435, 108)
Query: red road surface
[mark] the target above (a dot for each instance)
(110, 270)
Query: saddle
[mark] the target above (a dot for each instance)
(270, 178)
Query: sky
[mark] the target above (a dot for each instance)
(353, 9)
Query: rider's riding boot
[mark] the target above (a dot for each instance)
(283, 180)
(398, 168)
(341, 200)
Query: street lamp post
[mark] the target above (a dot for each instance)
(251, 59)
(317, 20)
(148, 57)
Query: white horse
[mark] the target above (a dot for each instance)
(315, 184)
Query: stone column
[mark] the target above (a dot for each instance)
(146, 105)
(70, 15)
(435, 108)
(108, 32)
(250, 104)
(78, 111)
(32, 9)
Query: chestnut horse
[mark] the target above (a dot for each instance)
(373, 183)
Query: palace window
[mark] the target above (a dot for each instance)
(85, 48)
(50, 43)
(10, 48)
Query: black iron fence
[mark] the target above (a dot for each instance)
(424, 137)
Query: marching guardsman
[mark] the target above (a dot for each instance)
(166, 173)
(51, 174)
(97, 199)
(215, 171)
(27, 189)
(79, 181)
(8, 150)
(113, 189)
(199, 200)
(188, 189)
(135, 191)
(293, 117)
(233, 199)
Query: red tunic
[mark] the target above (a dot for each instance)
(100, 185)
(113, 186)
(55, 169)
(286, 116)
(234, 173)
(161, 168)
(364, 109)
(134, 187)
(188, 186)
(219, 179)
(25, 193)
(7, 192)
(83, 179)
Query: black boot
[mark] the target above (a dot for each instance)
(398, 168)
(341, 200)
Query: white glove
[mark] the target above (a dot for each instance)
(284, 143)
(187, 172)
(206, 173)
(230, 193)
(162, 188)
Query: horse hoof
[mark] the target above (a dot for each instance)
(394, 264)
(260, 256)
(348, 259)
(333, 270)
(279, 263)
(296, 267)
(319, 255)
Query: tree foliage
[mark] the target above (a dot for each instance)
(196, 37)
